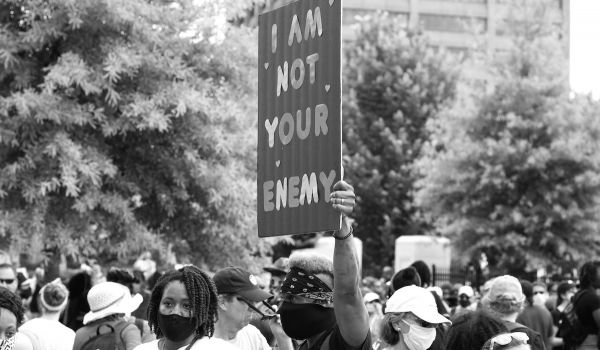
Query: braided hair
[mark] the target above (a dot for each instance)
(202, 293)
(588, 274)
(12, 302)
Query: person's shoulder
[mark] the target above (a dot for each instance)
(33, 323)
(250, 330)
(22, 342)
(153, 345)
(586, 299)
(212, 343)
(543, 311)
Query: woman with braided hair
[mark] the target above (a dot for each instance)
(182, 312)
(11, 317)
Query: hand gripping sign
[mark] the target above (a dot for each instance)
(299, 117)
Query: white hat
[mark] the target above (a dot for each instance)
(370, 296)
(417, 300)
(109, 298)
(467, 290)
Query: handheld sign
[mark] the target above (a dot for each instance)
(299, 117)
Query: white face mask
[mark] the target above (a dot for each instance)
(418, 337)
(540, 299)
(7, 343)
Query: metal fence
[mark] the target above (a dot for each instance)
(456, 274)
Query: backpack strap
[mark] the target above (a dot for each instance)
(98, 333)
(121, 327)
(139, 323)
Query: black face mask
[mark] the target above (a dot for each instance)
(464, 302)
(176, 328)
(302, 321)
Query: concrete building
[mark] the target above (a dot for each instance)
(448, 23)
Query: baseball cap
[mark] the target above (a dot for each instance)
(235, 280)
(506, 287)
(417, 300)
(467, 290)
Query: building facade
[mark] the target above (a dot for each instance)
(449, 23)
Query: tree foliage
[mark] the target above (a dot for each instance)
(513, 167)
(394, 83)
(127, 125)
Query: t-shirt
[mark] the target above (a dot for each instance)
(540, 320)
(250, 338)
(337, 342)
(48, 335)
(200, 344)
(586, 302)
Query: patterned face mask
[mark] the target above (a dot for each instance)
(7, 344)
(301, 283)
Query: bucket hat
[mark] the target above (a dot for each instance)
(109, 298)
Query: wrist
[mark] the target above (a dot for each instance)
(344, 233)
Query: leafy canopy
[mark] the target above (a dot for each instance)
(394, 83)
(513, 167)
(126, 125)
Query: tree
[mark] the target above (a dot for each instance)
(127, 126)
(513, 167)
(394, 83)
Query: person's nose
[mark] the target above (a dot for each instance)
(179, 310)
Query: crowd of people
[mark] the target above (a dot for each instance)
(311, 302)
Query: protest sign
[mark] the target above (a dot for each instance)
(299, 117)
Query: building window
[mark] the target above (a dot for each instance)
(353, 16)
(454, 24)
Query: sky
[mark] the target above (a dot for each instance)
(585, 46)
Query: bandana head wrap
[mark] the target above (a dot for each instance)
(305, 284)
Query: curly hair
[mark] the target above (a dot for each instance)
(202, 293)
(12, 302)
(588, 274)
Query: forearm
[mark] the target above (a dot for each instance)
(345, 263)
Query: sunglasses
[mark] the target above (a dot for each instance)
(506, 338)
(263, 316)
(7, 281)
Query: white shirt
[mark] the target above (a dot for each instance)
(250, 338)
(200, 344)
(48, 335)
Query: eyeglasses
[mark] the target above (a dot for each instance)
(7, 281)
(263, 316)
(505, 339)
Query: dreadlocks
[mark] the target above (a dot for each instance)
(12, 302)
(202, 293)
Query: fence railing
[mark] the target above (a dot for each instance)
(456, 274)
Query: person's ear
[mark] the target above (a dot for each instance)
(401, 327)
(222, 302)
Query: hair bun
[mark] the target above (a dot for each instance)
(54, 295)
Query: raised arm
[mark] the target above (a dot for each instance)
(350, 311)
